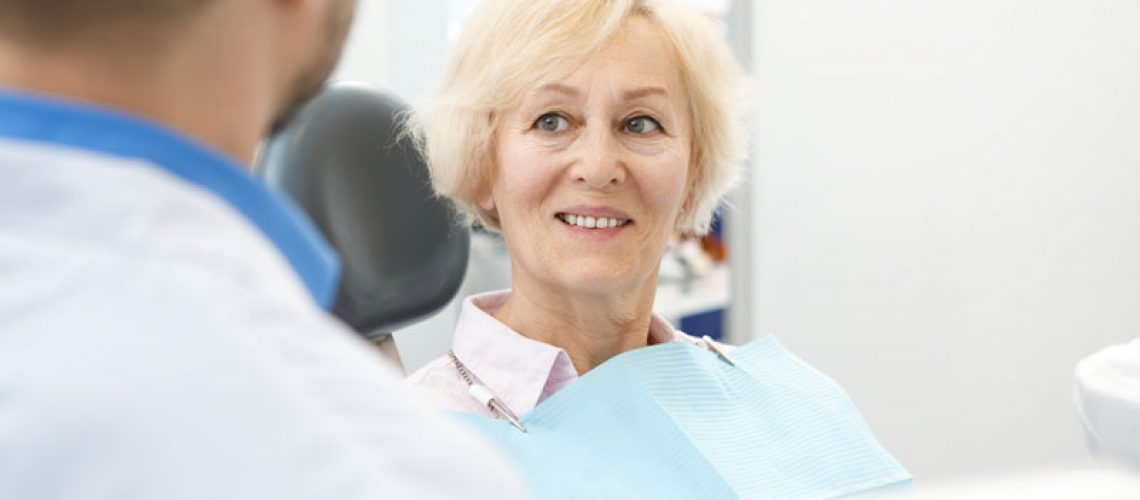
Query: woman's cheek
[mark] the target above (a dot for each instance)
(522, 171)
(668, 175)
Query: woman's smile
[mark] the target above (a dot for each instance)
(594, 223)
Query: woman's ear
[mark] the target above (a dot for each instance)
(695, 171)
(684, 214)
(487, 201)
(690, 202)
(486, 181)
(488, 214)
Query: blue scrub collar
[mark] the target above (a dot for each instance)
(40, 119)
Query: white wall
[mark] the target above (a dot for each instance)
(948, 212)
(365, 56)
(399, 45)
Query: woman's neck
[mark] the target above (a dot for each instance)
(591, 328)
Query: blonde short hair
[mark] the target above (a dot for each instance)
(509, 46)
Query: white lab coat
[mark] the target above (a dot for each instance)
(155, 345)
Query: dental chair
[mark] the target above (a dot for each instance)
(343, 159)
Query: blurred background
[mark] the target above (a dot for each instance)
(942, 210)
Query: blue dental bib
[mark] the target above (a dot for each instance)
(675, 421)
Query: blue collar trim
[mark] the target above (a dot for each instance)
(39, 119)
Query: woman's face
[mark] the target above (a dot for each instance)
(592, 169)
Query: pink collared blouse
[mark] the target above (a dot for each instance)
(520, 371)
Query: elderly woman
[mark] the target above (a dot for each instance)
(587, 132)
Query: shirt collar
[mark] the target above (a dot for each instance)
(82, 126)
(520, 371)
(514, 367)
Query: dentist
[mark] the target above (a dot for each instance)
(161, 325)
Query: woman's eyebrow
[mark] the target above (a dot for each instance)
(569, 92)
(556, 88)
(638, 93)
(628, 95)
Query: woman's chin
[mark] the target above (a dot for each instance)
(607, 282)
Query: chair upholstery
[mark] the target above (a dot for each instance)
(343, 159)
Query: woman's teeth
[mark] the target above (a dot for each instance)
(592, 222)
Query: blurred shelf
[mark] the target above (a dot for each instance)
(676, 300)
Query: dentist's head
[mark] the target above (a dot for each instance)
(167, 305)
(222, 71)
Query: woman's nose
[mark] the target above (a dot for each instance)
(600, 163)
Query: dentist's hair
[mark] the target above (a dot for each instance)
(509, 46)
(55, 22)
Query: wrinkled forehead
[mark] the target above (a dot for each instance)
(635, 61)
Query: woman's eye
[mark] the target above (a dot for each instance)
(641, 125)
(552, 122)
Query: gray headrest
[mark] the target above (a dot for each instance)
(342, 159)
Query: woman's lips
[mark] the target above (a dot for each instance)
(594, 217)
(591, 222)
